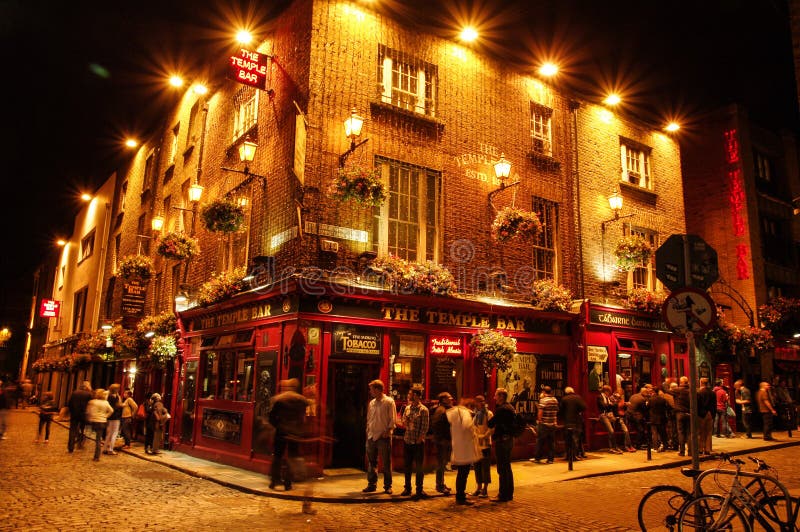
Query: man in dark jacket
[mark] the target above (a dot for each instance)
(287, 415)
(77, 403)
(682, 415)
(572, 408)
(503, 424)
(442, 438)
(706, 406)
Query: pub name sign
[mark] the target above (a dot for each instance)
(249, 68)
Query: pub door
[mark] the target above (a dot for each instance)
(348, 397)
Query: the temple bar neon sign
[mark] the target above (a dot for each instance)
(249, 68)
(50, 308)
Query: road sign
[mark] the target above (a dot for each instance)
(686, 260)
(689, 310)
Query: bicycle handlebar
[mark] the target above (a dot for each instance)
(761, 464)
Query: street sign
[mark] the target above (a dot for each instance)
(678, 267)
(689, 310)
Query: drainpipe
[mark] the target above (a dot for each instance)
(574, 105)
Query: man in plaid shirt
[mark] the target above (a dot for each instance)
(416, 420)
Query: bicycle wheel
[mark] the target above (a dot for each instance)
(777, 513)
(708, 513)
(658, 509)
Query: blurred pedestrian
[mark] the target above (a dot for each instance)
(287, 414)
(416, 421)
(743, 398)
(97, 412)
(47, 409)
(149, 423)
(464, 444)
(129, 408)
(502, 424)
(381, 415)
(766, 409)
(683, 417)
(658, 409)
(115, 401)
(721, 411)
(484, 433)
(160, 417)
(77, 404)
(442, 438)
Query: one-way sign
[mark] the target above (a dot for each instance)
(677, 269)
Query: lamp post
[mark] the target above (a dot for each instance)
(352, 130)
(502, 169)
(615, 203)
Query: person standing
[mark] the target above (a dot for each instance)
(502, 424)
(572, 408)
(743, 399)
(129, 408)
(97, 412)
(547, 417)
(464, 445)
(77, 404)
(3, 410)
(114, 419)
(484, 433)
(706, 405)
(381, 415)
(160, 418)
(149, 424)
(766, 409)
(287, 414)
(416, 420)
(442, 438)
(47, 408)
(607, 408)
(721, 410)
(658, 408)
(683, 416)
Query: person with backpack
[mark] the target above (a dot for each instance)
(503, 425)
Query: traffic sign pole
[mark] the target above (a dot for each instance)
(694, 433)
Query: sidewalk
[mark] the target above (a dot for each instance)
(346, 488)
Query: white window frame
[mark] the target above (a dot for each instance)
(648, 271)
(407, 82)
(173, 150)
(541, 129)
(763, 166)
(245, 111)
(87, 246)
(549, 219)
(635, 161)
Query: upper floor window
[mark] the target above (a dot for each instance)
(191, 134)
(123, 194)
(544, 246)
(173, 149)
(169, 222)
(407, 224)
(541, 134)
(644, 276)
(763, 166)
(149, 169)
(635, 164)
(87, 246)
(79, 309)
(142, 235)
(245, 111)
(407, 82)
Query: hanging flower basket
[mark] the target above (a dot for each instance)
(644, 300)
(136, 267)
(494, 350)
(632, 251)
(361, 185)
(164, 324)
(177, 246)
(550, 296)
(223, 215)
(426, 278)
(221, 286)
(511, 223)
(162, 350)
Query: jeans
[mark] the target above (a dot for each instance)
(545, 435)
(444, 448)
(502, 450)
(746, 419)
(111, 434)
(126, 429)
(44, 422)
(98, 429)
(767, 417)
(576, 432)
(413, 457)
(722, 415)
(683, 420)
(461, 481)
(280, 446)
(381, 447)
(483, 467)
(77, 424)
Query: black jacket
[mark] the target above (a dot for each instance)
(503, 421)
(571, 407)
(77, 404)
(440, 425)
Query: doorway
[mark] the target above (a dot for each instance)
(348, 396)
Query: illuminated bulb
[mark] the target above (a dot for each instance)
(61, 242)
(612, 99)
(548, 69)
(86, 197)
(131, 143)
(176, 81)
(468, 34)
(672, 126)
(200, 89)
(244, 37)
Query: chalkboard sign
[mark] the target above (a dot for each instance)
(551, 371)
(446, 375)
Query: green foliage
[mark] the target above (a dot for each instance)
(494, 350)
(223, 215)
(511, 223)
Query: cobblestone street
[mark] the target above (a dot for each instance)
(46, 488)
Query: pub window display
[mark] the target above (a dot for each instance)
(408, 364)
(228, 376)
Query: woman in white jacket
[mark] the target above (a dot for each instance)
(97, 412)
(465, 446)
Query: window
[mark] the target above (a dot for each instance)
(407, 225)
(245, 111)
(123, 193)
(635, 164)
(141, 234)
(541, 137)
(228, 375)
(79, 309)
(149, 168)
(87, 246)
(544, 247)
(176, 279)
(110, 296)
(117, 251)
(643, 276)
(763, 166)
(190, 131)
(173, 149)
(407, 82)
(408, 367)
(166, 205)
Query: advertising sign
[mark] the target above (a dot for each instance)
(133, 298)
(50, 308)
(446, 345)
(249, 68)
(352, 341)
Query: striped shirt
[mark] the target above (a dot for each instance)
(548, 410)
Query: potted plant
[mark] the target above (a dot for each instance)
(223, 215)
(360, 185)
(631, 251)
(221, 286)
(494, 350)
(644, 300)
(136, 266)
(550, 296)
(511, 223)
(177, 246)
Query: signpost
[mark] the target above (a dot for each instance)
(688, 266)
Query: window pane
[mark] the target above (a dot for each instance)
(208, 388)
(226, 375)
(244, 377)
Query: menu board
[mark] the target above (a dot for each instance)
(551, 371)
(446, 375)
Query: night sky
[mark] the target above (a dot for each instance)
(81, 76)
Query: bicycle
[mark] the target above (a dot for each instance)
(761, 501)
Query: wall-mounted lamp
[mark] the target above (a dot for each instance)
(502, 169)
(352, 130)
(615, 202)
(195, 193)
(247, 153)
(157, 223)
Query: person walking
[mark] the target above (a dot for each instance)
(112, 429)
(464, 445)
(77, 404)
(149, 424)
(766, 409)
(743, 398)
(571, 409)
(97, 412)
(416, 420)
(502, 424)
(381, 415)
(287, 414)
(442, 438)
(547, 417)
(47, 408)
(129, 408)
(160, 418)
(484, 434)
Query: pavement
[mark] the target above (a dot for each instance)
(344, 486)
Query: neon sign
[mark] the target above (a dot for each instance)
(50, 308)
(249, 68)
(736, 199)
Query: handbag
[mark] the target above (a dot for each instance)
(140, 413)
(730, 412)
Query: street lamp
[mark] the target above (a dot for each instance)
(352, 130)
(157, 223)
(502, 170)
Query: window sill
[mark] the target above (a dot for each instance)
(544, 162)
(427, 122)
(636, 192)
(188, 151)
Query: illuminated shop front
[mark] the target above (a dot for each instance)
(235, 354)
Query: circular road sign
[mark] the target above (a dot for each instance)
(689, 309)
